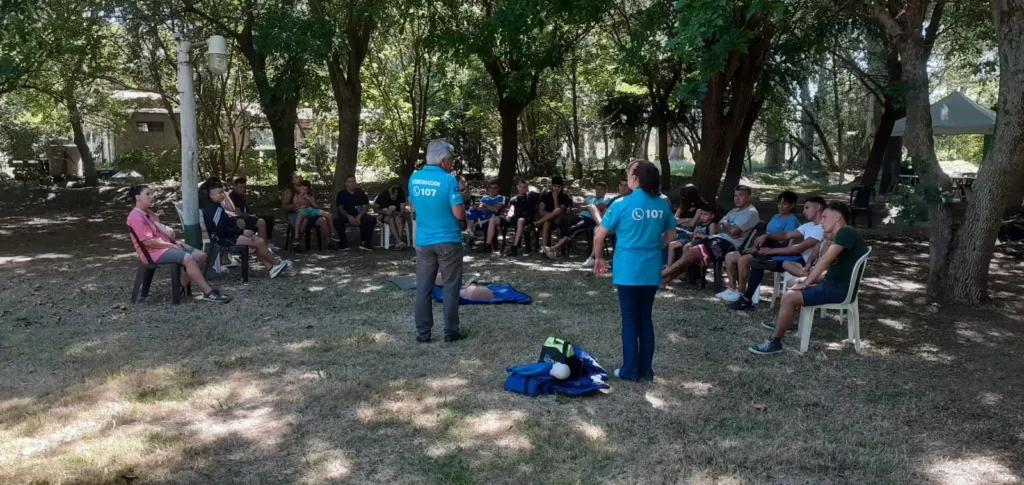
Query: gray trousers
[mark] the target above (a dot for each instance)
(446, 257)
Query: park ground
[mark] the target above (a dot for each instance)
(315, 378)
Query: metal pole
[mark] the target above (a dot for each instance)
(189, 147)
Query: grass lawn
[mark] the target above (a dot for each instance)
(315, 377)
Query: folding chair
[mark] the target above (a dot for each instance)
(147, 268)
(385, 233)
(849, 307)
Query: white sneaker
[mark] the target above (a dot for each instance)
(757, 297)
(232, 262)
(276, 270)
(288, 263)
(589, 263)
(616, 372)
(729, 295)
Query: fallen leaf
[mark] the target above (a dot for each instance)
(758, 406)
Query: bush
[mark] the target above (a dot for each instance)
(155, 164)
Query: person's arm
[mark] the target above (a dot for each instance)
(600, 234)
(288, 200)
(824, 262)
(340, 202)
(791, 249)
(743, 222)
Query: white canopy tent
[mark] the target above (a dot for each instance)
(956, 114)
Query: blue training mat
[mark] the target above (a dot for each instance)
(503, 293)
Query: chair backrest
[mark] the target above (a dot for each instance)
(857, 276)
(141, 250)
(749, 241)
(178, 206)
(860, 197)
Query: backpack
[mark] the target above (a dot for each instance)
(559, 350)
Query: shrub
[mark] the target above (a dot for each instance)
(155, 164)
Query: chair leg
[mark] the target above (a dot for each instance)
(806, 320)
(210, 259)
(147, 279)
(823, 313)
(319, 239)
(176, 284)
(245, 264)
(717, 287)
(854, 326)
(139, 276)
(288, 238)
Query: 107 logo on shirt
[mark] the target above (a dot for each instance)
(416, 190)
(640, 214)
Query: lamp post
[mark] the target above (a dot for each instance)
(217, 52)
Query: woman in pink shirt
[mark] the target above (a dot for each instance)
(158, 241)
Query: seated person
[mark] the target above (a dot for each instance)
(486, 216)
(787, 250)
(705, 226)
(353, 208)
(306, 209)
(838, 260)
(690, 202)
(390, 205)
(733, 229)
(585, 221)
(158, 241)
(467, 200)
(224, 231)
(472, 290)
(782, 222)
(555, 208)
(624, 190)
(237, 206)
(288, 203)
(522, 210)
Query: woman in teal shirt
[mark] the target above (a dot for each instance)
(644, 224)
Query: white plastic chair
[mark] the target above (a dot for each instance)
(385, 234)
(848, 308)
(779, 287)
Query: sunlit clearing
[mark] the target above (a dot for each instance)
(326, 463)
(592, 432)
(656, 402)
(446, 383)
(497, 427)
(408, 407)
(991, 398)
(697, 388)
(700, 478)
(23, 259)
(978, 470)
(313, 289)
(893, 284)
(892, 323)
(931, 353)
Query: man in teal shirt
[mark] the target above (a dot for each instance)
(437, 203)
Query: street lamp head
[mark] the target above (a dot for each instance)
(217, 54)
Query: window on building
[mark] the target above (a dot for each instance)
(150, 126)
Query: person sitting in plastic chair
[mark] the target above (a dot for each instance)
(224, 231)
(158, 240)
(486, 216)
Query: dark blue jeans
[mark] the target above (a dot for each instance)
(366, 226)
(636, 304)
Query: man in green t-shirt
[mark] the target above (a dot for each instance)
(847, 247)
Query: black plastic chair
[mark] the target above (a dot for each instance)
(144, 275)
(216, 249)
(529, 238)
(307, 236)
(860, 202)
(699, 273)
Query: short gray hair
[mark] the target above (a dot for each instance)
(439, 150)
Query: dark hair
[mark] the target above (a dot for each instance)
(213, 185)
(295, 173)
(492, 182)
(241, 180)
(841, 208)
(305, 183)
(742, 188)
(602, 185)
(788, 196)
(353, 177)
(523, 181)
(394, 188)
(817, 199)
(136, 190)
(556, 180)
(647, 174)
(689, 197)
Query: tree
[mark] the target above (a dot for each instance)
(516, 41)
(274, 38)
(407, 72)
(641, 30)
(728, 41)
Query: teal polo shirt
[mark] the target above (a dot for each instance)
(433, 192)
(639, 221)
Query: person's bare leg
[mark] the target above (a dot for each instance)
(261, 229)
(492, 229)
(545, 233)
(194, 274)
(520, 229)
(558, 245)
(262, 251)
(326, 226)
(793, 268)
(690, 256)
(744, 271)
(731, 262)
(672, 247)
(199, 257)
(300, 227)
(787, 312)
(392, 221)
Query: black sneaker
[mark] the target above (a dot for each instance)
(770, 346)
(742, 304)
(770, 325)
(365, 247)
(297, 249)
(513, 251)
(214, 296)
(455, 337)
(484, 248)
(423, 339)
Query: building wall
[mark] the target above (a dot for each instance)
(131, 138)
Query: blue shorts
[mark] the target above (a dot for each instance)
(292, 216)
(479, 215)
(824, 293)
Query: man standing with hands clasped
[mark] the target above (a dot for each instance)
(435, 198)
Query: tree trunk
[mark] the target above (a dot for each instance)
(604, 135)
(88, 163)
(282, 126)
(962, 278)
(666, 167)
(806, 128)
(878, 149)
(734, 171)
(509, 109)
(349, 101)
(892, 162)
(577, 147)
